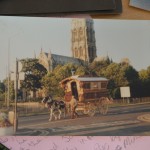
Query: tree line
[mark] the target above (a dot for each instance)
(119, 74)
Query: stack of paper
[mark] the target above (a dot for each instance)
(48, 7)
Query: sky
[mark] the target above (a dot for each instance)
(22, 37)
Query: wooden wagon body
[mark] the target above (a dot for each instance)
(88, 91)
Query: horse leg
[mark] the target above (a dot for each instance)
(60, 112)
(75, 113)
(72, 113)
(51, 115)
(65, 111)
(55, 116)
(68, 109)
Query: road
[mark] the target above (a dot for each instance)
(123, 121)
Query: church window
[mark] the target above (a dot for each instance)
(89, 53)
(92, 52)
(76, 52)
(75, 32)
(73, 36)
(81, 51)
(80, 33)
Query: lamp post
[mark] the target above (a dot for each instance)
(6, 88)
(72, 71)
(16, 98)
(18, 76)
(8, 94)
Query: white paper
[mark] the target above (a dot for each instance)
(76, 142)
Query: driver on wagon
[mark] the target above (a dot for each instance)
(73, 104)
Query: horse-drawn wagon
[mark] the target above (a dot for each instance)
(90, 92)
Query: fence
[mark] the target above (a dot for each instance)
(32, 108)
(132, 100)
(27, 108)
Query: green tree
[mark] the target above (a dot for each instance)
(99, 67)
(133, 78)
(116, 75)
(63, 72)
(2, 87)
(51, 80)
(87, 69)
(144, 76)
(11, 89)
(51, 85)
(81, 70)
(33, 74)
(2, 91)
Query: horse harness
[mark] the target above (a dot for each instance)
(56, 105)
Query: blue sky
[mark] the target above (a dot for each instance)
(117, 38)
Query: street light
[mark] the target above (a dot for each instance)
(72, 71)
(8, 95)
(18, 76)
(16, 98)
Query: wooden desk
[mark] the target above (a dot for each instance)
(129, 12)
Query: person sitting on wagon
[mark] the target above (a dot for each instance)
(73, 105)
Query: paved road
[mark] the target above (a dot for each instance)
(129, 120)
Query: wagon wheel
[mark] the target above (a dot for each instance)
(103, 105)
(104, 109)
(91, 109)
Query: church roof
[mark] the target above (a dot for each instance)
(46, 54)
(65, 59)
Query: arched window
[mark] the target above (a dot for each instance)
(76, 52)
(81, 51)
(80, 33)
(74, 35)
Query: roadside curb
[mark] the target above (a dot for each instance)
(124, 105)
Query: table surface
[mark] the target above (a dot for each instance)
(129, 12)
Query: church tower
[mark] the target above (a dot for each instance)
(83, 43)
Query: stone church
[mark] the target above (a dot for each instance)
(83, 46)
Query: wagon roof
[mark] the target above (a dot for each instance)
(84, 79)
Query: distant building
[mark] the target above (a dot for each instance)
(83, 39)
(83, 46)
(50, 61)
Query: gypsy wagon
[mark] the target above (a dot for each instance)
(90, 92)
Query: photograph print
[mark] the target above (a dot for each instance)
(74, 76)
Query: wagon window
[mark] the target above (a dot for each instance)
(103, 85)
(94, 85)
(99, 85)
(87, 85)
